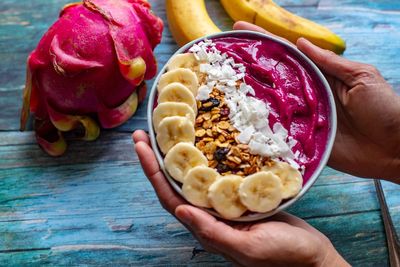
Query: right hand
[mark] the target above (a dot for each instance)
(368, 138)
(367, 143)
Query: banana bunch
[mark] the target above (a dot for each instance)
(189, 20)
(231, 195)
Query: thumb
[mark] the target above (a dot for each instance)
(328, 62)
(209, 231)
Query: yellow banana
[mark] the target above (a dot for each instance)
(189, 20)
(275, 19)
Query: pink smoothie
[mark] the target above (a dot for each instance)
(295, 94)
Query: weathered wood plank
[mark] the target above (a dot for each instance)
(103, 204)
(69, 206)
(119, 255)
(361, 246)
(392, 192)
(387, 5)
(87, 208)
(380, 29)
(365, 246)
(108, 147)
(87, 189)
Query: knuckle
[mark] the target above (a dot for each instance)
(370, 71)
(366, 74)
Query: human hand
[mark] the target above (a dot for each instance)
(283, 240)
(367, 143)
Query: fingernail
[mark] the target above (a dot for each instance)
(302, 39)
(133, 137)
(136, 145)
(184, 215)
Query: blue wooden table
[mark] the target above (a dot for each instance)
(95, 207)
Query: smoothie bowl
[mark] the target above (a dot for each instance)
(242, 124)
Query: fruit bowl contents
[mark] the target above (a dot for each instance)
(242, 123)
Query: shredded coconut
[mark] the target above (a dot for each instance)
(203, 92)
(248, 114)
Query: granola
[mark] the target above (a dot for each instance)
(216, 139)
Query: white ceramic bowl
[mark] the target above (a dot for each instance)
(331, 135)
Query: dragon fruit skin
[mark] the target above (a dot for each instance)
(90, 64)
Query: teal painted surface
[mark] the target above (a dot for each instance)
(95, 207)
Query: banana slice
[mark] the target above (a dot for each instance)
(291, 178)
(169, 109)
(177, 92)
(186, 61)
(196, 183)
(181, 158)
(224, 197)
(184, 76)
(173, 130)
(261, 192)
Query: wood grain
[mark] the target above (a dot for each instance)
(94, 206)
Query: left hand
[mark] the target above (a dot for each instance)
(282, 240)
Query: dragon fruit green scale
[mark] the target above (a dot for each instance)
(89, 68)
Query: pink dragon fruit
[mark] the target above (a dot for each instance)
(89, 67)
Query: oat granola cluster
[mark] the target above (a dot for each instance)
(216, 138)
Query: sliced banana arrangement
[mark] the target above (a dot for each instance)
(175, 122)
(169, 109)
(186, 61)
(173, 130)
(224, 196)
(261, 192)
(181, 158)
(183, 76)
(177, 92)
(291, 178)
(196, 183)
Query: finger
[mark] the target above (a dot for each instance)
(140, 136)
(209, 230)
(147, 159)
(328, 61)
(167, 196)
(242, 25)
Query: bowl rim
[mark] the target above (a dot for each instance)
(331, 135)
